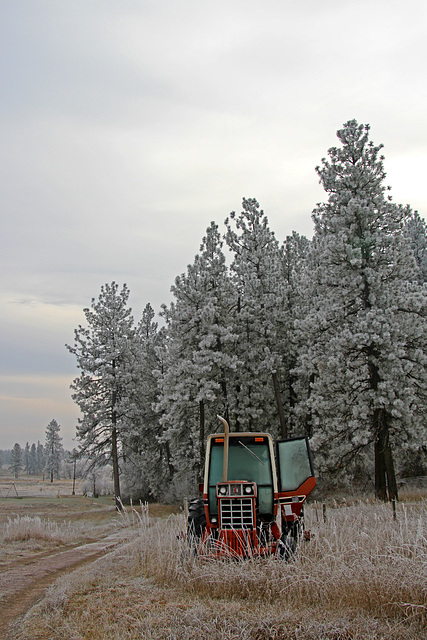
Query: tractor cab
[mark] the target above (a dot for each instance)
(253, 493)
(249, 480)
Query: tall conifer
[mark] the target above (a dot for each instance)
(16, 464)
(53, 449)
(106, 357)
(199, 362)
(365, 328)
(147, 463)
(261, 322)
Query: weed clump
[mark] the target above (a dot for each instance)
(24, 528)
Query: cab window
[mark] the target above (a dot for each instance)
(294, 462)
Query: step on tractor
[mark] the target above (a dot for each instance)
(254, 491)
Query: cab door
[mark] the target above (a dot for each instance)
(295, 467)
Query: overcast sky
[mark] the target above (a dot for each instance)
(127, 126)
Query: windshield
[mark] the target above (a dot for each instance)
(247, 460)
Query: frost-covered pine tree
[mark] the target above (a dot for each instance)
(365, 323)
(416, 231)
(53, 449)
(26, 458)
(295, 250)
(39, 457)
(199, 361)
(106, 357)
(147, 465)
(32, 463)
(15, 464)
(261, 322)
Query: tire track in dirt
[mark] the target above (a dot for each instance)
(24, 584)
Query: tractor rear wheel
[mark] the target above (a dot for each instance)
(287, 548)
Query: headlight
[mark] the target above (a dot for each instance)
(248, 489)
(214, 520)
(223, 490)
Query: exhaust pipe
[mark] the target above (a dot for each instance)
(225, 460)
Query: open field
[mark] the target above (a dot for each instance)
(35, 486)
(37, 516)
(35, 525)
(363, 575)
(42, 538)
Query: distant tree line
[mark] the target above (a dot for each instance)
(37, 459)
(29, 459)
(324, 337)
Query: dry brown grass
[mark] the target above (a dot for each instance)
(23, 528)
(363, 575)
(38, 525)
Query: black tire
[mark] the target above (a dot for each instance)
(196, 521)
(287, 548)
(292, 532)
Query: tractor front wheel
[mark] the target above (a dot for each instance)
(196, 522)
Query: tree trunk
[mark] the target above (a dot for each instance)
(201, 439)
(52, 452)
(236, 406)
(282, 420)
(168, 459)
(292, 401)
(115, 457)
(385, 476)
(114, 449)
(308, 420)
(380, 476)
(224, 395)
(390, 471)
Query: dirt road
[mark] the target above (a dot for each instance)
(23, 582)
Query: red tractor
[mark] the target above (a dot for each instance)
(253, 495)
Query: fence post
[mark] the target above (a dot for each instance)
(393, 504)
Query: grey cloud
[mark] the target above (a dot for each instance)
(127, 127)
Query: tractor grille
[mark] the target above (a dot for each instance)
(236, 513)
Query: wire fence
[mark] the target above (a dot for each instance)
(37, 489)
